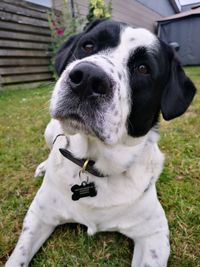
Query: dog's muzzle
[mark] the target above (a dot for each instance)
(83, 101)
(88, 80)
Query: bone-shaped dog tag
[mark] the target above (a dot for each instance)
(83, 190)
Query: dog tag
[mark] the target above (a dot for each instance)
(83, 190)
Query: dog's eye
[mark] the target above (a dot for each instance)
(88, 47)
(143, 69)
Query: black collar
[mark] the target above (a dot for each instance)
(86, 164)
(81, 162)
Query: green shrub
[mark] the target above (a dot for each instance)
(99, 10)
(62, 26)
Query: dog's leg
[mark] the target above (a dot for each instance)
(150, 233)
(151, 251)
(34, 233)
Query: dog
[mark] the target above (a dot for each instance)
(115, 81)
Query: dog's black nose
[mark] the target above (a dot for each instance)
(87, 79)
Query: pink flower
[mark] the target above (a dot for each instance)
(60, 31)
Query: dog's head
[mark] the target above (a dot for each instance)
(115, 80)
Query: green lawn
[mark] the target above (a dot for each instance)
(23, 117)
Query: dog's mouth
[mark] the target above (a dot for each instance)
(75, 117)
(74, 123)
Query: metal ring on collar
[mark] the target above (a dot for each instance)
(84, 167)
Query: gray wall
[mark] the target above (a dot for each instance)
(129, 11)
(163, 7)
(186, 32)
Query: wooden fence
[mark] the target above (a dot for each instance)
(24, 43)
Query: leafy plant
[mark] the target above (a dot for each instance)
(99, 10)
(62, 26)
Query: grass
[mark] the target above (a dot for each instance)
(23, 117)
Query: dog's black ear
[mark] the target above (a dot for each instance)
(65, 54)
(93, 24)
(179, 91)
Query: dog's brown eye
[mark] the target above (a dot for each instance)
(142, 69)
(88, 47)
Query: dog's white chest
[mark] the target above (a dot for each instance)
(116, 202)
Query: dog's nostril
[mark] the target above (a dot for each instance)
(76, 76)
(87, 79)
(100, 87)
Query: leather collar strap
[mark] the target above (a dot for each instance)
(80, 162)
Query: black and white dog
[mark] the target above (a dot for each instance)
(115, 81)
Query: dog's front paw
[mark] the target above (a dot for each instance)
(40, 170)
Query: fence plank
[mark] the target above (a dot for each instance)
(21, 70)
(23, 53)
(22, 11)
(24, 61)
(25, 78)
(22, 20)
(21, 44)
(24, 28)
(24, 36)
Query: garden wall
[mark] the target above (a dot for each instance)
(24, 43)
(128, 11)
